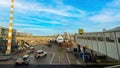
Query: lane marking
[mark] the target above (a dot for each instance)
(52, 58)
(59, 59)
(68, 59)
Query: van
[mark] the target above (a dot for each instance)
(39, 53)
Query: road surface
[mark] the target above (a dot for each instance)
(55, 55)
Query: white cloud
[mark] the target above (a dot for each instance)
(40, 20)
(105, 18)
(62, 9)
(4, 24)
(114, 3)
(39, 31)
(44, 21)
(38, 28)
(69, 17)
(25, 25)
(5, 3)
(109, 14)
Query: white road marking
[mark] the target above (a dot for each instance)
(52, 58)
(78, 62)
(68, 59)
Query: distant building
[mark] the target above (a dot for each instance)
(4, 38)
(22, 34)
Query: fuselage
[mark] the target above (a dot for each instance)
(60, 39)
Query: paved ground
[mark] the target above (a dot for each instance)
(55, 55)
(56, 58)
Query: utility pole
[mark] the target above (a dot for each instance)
(9, 43)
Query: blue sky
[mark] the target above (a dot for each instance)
(48, 17)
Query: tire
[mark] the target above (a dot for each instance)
(23, 63)
(45, 55)
(27, 64)
(16, 63)
(36, 57)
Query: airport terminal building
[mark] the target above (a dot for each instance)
(4, 38)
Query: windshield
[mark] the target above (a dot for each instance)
(25, 58)
(80, 32)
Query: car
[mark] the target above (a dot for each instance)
(39, 53)
(23, 60)
(68, 49)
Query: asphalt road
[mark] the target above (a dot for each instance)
(55, 55)
(56, 58)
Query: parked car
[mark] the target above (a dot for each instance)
(68, 49)
(23, 60)
(39, 53)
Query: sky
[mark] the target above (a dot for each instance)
(49, 17)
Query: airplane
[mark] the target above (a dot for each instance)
(60, 39)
